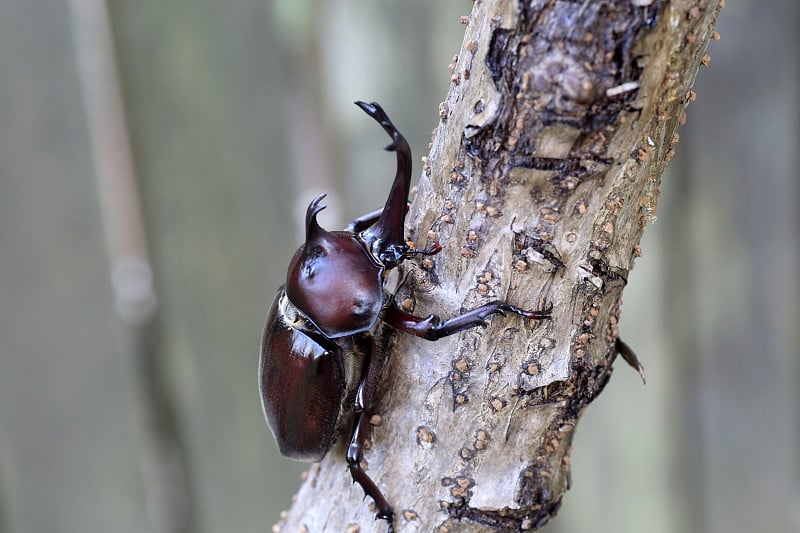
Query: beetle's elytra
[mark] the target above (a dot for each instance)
(316, 351)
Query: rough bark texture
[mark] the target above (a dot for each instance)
(542, 176)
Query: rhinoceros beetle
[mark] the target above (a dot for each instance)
(317, 356)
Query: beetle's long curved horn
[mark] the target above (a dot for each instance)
(389, 229)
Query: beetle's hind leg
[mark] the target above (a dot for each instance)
(355, 452)
(629, 356)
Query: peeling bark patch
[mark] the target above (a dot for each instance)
(497, 58)
(560, 84)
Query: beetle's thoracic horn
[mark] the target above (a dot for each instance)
(389, 229)
(313, 230)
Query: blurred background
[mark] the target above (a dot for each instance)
(133, 406)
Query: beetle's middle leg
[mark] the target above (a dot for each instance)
(365, 394)
(364, 221)
(432, 327)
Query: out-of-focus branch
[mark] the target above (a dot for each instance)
(162, 459)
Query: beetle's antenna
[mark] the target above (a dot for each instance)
(433, 249)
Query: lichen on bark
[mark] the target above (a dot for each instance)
(542, 176)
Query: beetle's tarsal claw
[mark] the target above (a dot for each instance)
(374, 110)
(368, 108)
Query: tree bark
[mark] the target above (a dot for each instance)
(542, 176)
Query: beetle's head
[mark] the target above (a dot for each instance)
(333, 280)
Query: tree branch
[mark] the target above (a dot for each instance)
(163, 462)
(543, 173)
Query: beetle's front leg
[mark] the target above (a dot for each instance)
(433, 328)
(355, 452)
